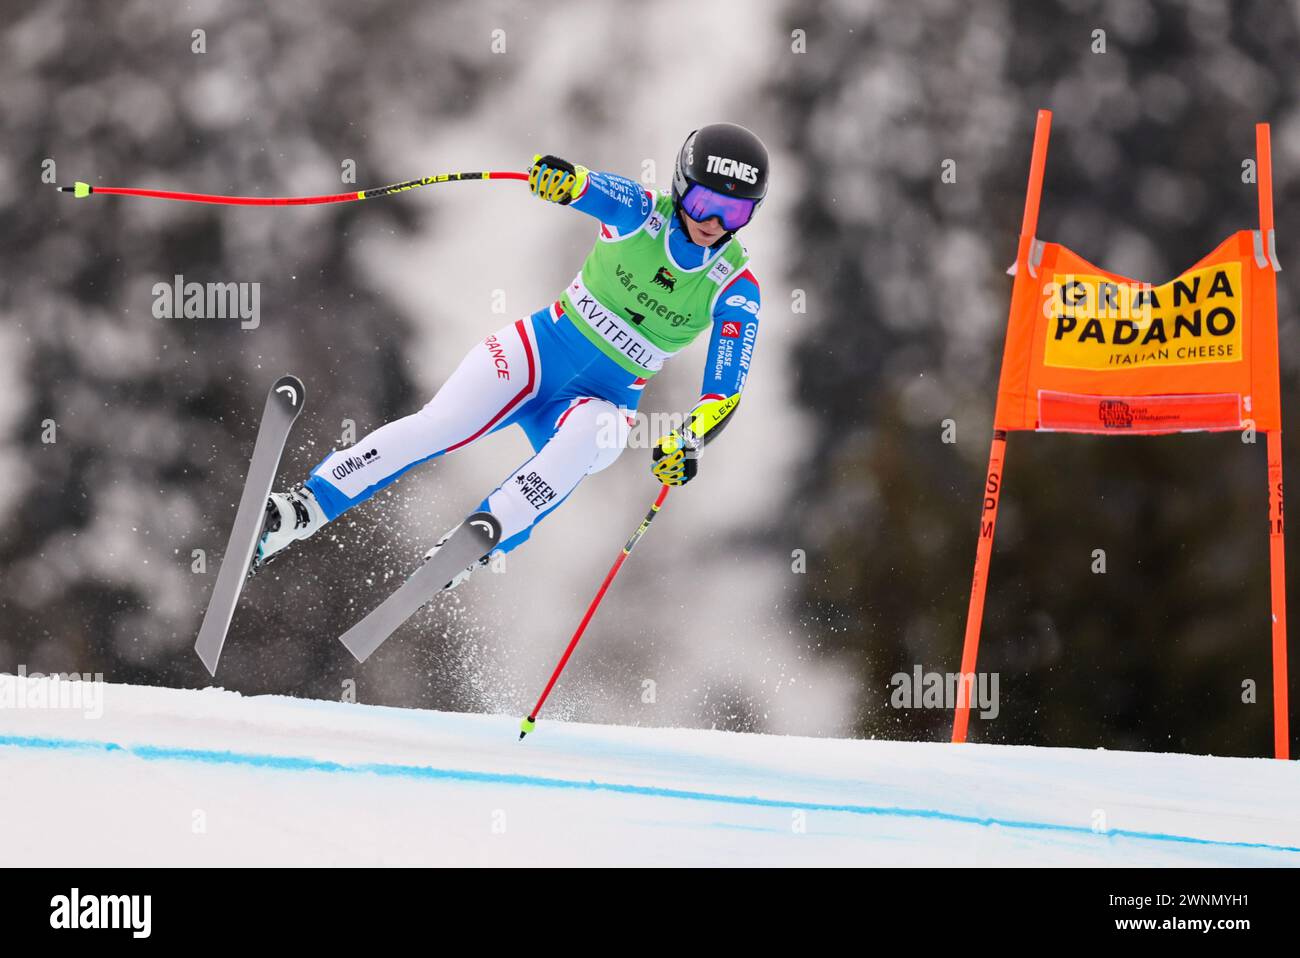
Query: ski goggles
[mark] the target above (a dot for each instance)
(702, 203)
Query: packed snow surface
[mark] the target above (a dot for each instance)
(128, 775)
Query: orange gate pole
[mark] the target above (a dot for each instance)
(1276, 525)
(975, 611)
(998, 451)
(1277, 571)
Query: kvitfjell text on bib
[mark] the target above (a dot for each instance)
(1089, 351)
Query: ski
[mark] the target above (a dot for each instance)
(283, 404)
(473, 540)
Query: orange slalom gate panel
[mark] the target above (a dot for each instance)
(1092, 351)
(1138, 415)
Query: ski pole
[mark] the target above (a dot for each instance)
(528, 724)
(80, 189)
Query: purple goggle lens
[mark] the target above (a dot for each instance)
(702, 203)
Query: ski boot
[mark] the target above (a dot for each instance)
(290, 516)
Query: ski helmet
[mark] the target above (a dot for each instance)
(721, 172)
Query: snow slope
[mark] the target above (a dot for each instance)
(208, 777)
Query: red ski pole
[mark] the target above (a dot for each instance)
(528, 724)
(81, 190)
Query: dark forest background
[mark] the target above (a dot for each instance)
(1144, 176)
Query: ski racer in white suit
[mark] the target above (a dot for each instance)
(663, 270)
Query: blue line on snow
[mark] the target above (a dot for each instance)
(293, 763)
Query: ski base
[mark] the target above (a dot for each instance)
(477, 536)
(283, 404)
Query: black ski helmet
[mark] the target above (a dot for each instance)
(724, 157)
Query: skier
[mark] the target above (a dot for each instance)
(663, 269)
